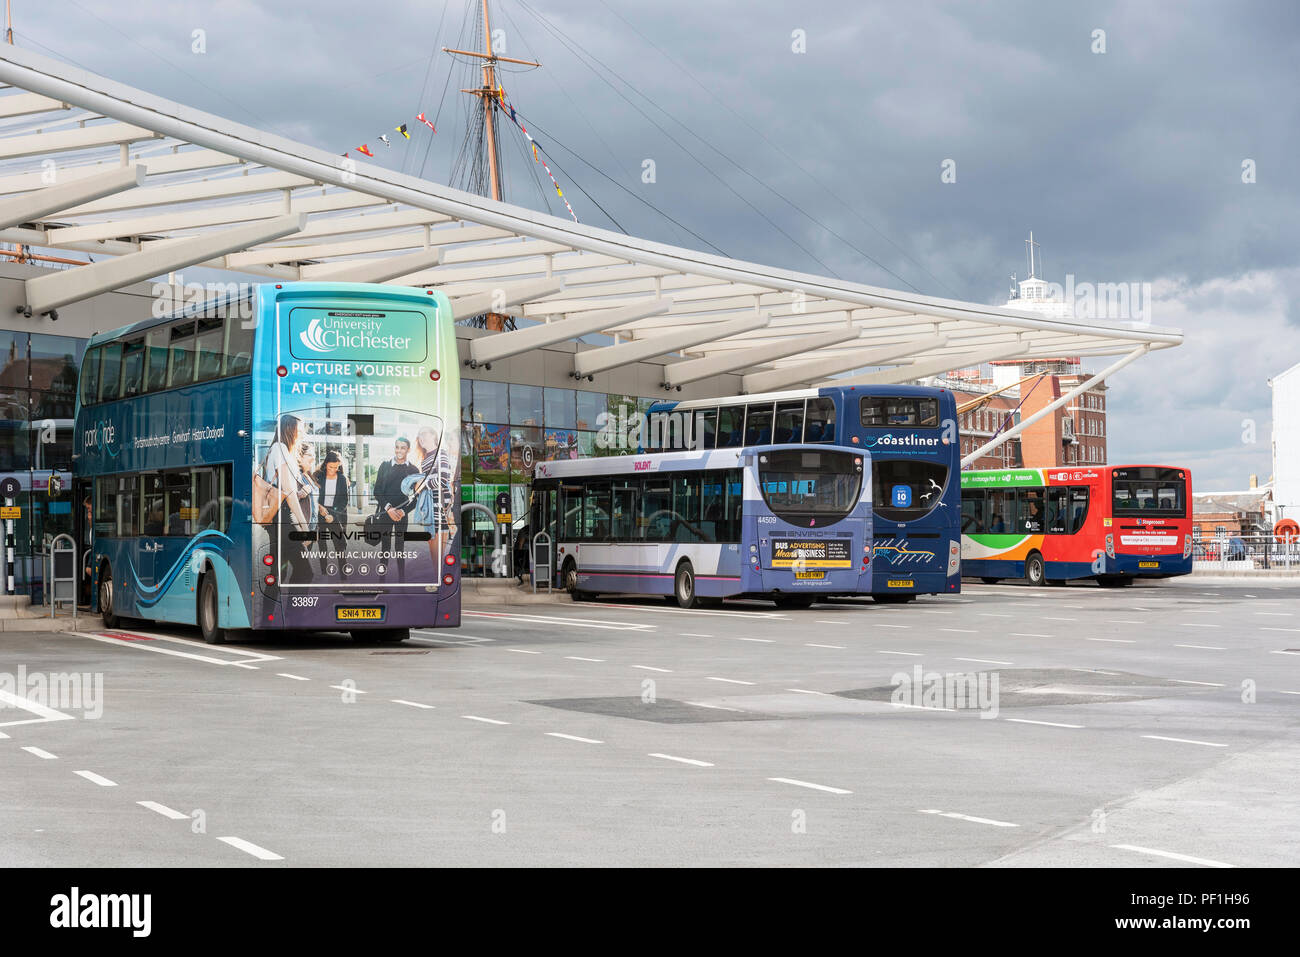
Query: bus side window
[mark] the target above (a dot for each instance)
(239, 342)
(90, 377)
(571, 512)
(713, 506)
(595, 512)
(110, 372)
(686, 507)
(705, 428)
(734, 507)
(1058, 510)
(210, 357)
(731, 426)
(974, 506)
(133, 368)
(156, 361)
(819, 421)
(655, 518)
(789, 423)
(182, 353)
(1078, 507)
(623, 510)
(758, 425)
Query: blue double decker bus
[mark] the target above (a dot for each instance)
(911, 434)
(791, 523)
(286, 459)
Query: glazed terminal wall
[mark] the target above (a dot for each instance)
(510, 412)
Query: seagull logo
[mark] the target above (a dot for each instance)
(313, 337)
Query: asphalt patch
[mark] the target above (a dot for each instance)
(661, 711)
(1037, 687)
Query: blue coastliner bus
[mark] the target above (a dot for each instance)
(284, 460)
(911, 433)
(791, 523)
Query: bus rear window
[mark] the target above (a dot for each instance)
(802, 486)
(904, 490)
(882, 412)
(1148, 493)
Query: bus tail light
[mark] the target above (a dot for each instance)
(448, 580)
(954, 558)
(450, 559)
(269, 579)
(268, 560)
(1187, 546)
(1110, 545)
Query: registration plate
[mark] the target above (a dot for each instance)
(1148, 564)
(359, 614)
(901, 583)
(809, 574)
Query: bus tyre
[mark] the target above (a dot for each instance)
(684, 586)
(569, 580)
(213, 634)
(111, 618)
(1035, 572)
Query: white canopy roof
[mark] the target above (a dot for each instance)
(150, 186)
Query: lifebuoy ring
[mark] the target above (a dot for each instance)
(1287, 530)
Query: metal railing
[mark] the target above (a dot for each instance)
(1246, 553)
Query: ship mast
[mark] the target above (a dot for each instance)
(490, 95)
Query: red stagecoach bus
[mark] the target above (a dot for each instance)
(1113, 523)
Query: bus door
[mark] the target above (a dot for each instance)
(82, 529)
(153, 525)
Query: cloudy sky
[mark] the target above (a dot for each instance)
(1127, 164)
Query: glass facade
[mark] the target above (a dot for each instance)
(508, 429)
(38, 384)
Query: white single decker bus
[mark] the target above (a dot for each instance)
(787, 522)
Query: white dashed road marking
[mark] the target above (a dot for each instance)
(164, 810)
(474, 717)
(1207, 744)
(1204, 861)
(730, 681)
(248, 847)
(94, 778)
(809, 784)
(411, 704)
(1050, 724)
(40, 753)
(968, 817)
(573, 737)
(691, 761)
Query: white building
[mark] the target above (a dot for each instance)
(1286, 443)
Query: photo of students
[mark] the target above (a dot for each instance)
(332, 508)
(430, 490)
(392, 504)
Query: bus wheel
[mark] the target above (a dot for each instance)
(793, 601)
(1035, 573)
(990, 581)
(111, 618)
(684, 586)
(212, 632)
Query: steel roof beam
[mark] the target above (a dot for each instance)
(375, 270)
(820, 368)
(587, 364)
(928, 366)
(45, 293)
(488, 349)
(692, 370)
(29, 207)
(502, 297)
